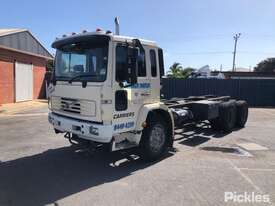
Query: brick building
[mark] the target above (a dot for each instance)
(22, 66)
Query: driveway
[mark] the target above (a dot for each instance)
(38, 167)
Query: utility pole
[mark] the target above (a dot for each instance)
(236, 37)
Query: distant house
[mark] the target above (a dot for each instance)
(205, 73)
(22, 66)
(246, 75)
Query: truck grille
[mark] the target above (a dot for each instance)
(69, 105)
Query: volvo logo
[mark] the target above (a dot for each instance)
(67, 105)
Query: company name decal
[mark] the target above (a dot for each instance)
(122, 115)
(125, 125)
(141, 86)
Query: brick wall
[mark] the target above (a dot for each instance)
(38, 82)
(7, 84)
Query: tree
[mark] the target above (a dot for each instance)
(177, 71)
(186, 72)
(267, 65)
(49, 66)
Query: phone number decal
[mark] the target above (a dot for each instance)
(125, 125)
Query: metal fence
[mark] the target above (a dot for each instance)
(257, 92)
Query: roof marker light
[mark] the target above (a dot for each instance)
(98, 30)
(73, 33)
(64, 35)
(84, 31)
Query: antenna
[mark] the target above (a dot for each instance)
(117, 25)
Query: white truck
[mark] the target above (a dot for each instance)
(105, 89)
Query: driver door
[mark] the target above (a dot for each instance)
(128, 98)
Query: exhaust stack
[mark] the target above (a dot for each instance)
(117, 25)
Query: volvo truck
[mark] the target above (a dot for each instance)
(105, 89)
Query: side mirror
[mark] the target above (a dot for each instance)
(132, 54)
(132, 71)
(131, 67)
(53, 79)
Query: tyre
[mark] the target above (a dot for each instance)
(154, 139)
(242, 113)
(227, 115)
(215, 124)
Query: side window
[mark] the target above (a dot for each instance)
(141, 64)
(121, 63)
(153, 61)
(161, 63)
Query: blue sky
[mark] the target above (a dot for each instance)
(194, 32)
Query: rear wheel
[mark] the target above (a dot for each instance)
(215, 124)
(154, 139)
(228, 115)
(242, 113)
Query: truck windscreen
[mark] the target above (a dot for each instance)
(86, 59)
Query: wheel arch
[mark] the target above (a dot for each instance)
(161, 110)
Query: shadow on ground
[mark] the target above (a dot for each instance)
(52, 175)
(193, 135)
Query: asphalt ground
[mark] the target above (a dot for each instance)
(38, 167)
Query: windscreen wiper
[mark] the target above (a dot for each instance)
(80, 76)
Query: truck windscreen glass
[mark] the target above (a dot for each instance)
(89, 59)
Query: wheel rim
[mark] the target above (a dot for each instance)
(157, 138)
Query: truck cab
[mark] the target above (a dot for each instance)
(105, 87)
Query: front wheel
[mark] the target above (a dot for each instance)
(154, 139)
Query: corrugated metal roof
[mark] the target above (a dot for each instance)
(22, 40)
(4, 32)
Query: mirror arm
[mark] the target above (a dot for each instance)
(138, 44)
(53, 79)
(128, 85)
(125, 86)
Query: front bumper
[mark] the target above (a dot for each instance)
(84, 129)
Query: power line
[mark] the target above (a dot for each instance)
(202, 52)
(213, 37)
(224, 52)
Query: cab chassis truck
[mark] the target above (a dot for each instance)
(105, 89)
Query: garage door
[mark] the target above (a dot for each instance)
(23, 82)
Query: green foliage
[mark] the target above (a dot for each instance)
(177, 71)
(267, 65)
(187, 71)
(49, 65)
